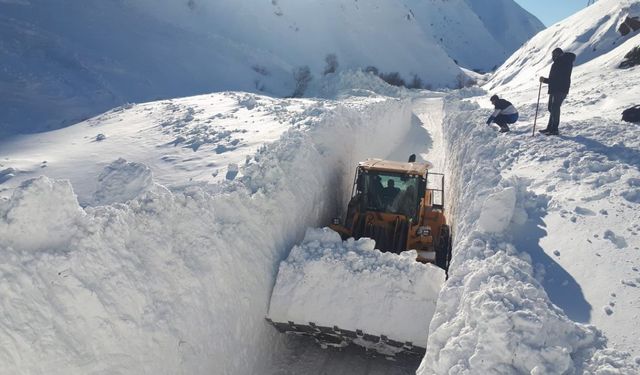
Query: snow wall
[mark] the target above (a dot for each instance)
(174, 283)
(493, 316)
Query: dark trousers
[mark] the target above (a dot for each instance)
(503, 120)
(555, 101)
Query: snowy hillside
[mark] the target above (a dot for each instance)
(62, 62)
(507, 22)
(590, 33)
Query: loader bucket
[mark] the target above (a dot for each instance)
(347, 292)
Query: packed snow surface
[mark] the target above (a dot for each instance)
(351, 285)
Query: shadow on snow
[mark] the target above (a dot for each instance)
(561, 287)
(616, 152)
(418, 141)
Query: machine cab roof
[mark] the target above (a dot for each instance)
(415, 169)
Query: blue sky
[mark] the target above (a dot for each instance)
(552, 11)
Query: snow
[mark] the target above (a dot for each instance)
(183, 141)
(122, 181)
(63, 62)
(155, 249)
(39, 215)
(587, 174)
(589, 34)
(355, 287)
(507, 306)
(179, 279)
(545, 249)
(497, 210)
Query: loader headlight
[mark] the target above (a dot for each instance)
(423, 231)
(336, 221)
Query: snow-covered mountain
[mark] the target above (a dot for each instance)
(507, 22)
(61, 62)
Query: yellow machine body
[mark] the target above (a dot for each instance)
(400, 206)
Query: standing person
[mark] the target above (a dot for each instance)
(559, 82)
(505, 113)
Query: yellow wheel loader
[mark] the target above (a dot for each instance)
(400, 206)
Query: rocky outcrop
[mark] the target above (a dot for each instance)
(631, 59)
(630, 24)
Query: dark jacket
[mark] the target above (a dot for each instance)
(560, 75)
(502, 104)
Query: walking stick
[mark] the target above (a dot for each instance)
(537, 105)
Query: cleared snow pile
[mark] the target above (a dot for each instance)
(351, 285)
(121, 181)
(41, 214)
(500, 311)
(171, 281)
(354, 83)
(497, 210)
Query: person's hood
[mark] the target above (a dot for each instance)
(565, 56)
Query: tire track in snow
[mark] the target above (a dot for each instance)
(430, 113)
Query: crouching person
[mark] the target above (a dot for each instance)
(505, 113)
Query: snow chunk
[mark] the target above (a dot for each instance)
(584, 211)
(7, 174)
(619, 241)
(632, 195)
(249, 102)
(232, 171)
(41, 214)
(349, 284)
(122, 181)
(497, 210)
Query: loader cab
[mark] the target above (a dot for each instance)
(389, 192)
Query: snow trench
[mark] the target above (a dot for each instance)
(493, 316)
(174, 283)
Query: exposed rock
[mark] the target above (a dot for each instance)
(630, 24)
(632, 58)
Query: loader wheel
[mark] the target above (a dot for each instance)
(443, 248)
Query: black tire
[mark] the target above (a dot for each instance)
(443, 248)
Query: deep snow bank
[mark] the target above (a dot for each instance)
(174, 282)
(351, 285)
(199, 140)
(493, 314)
